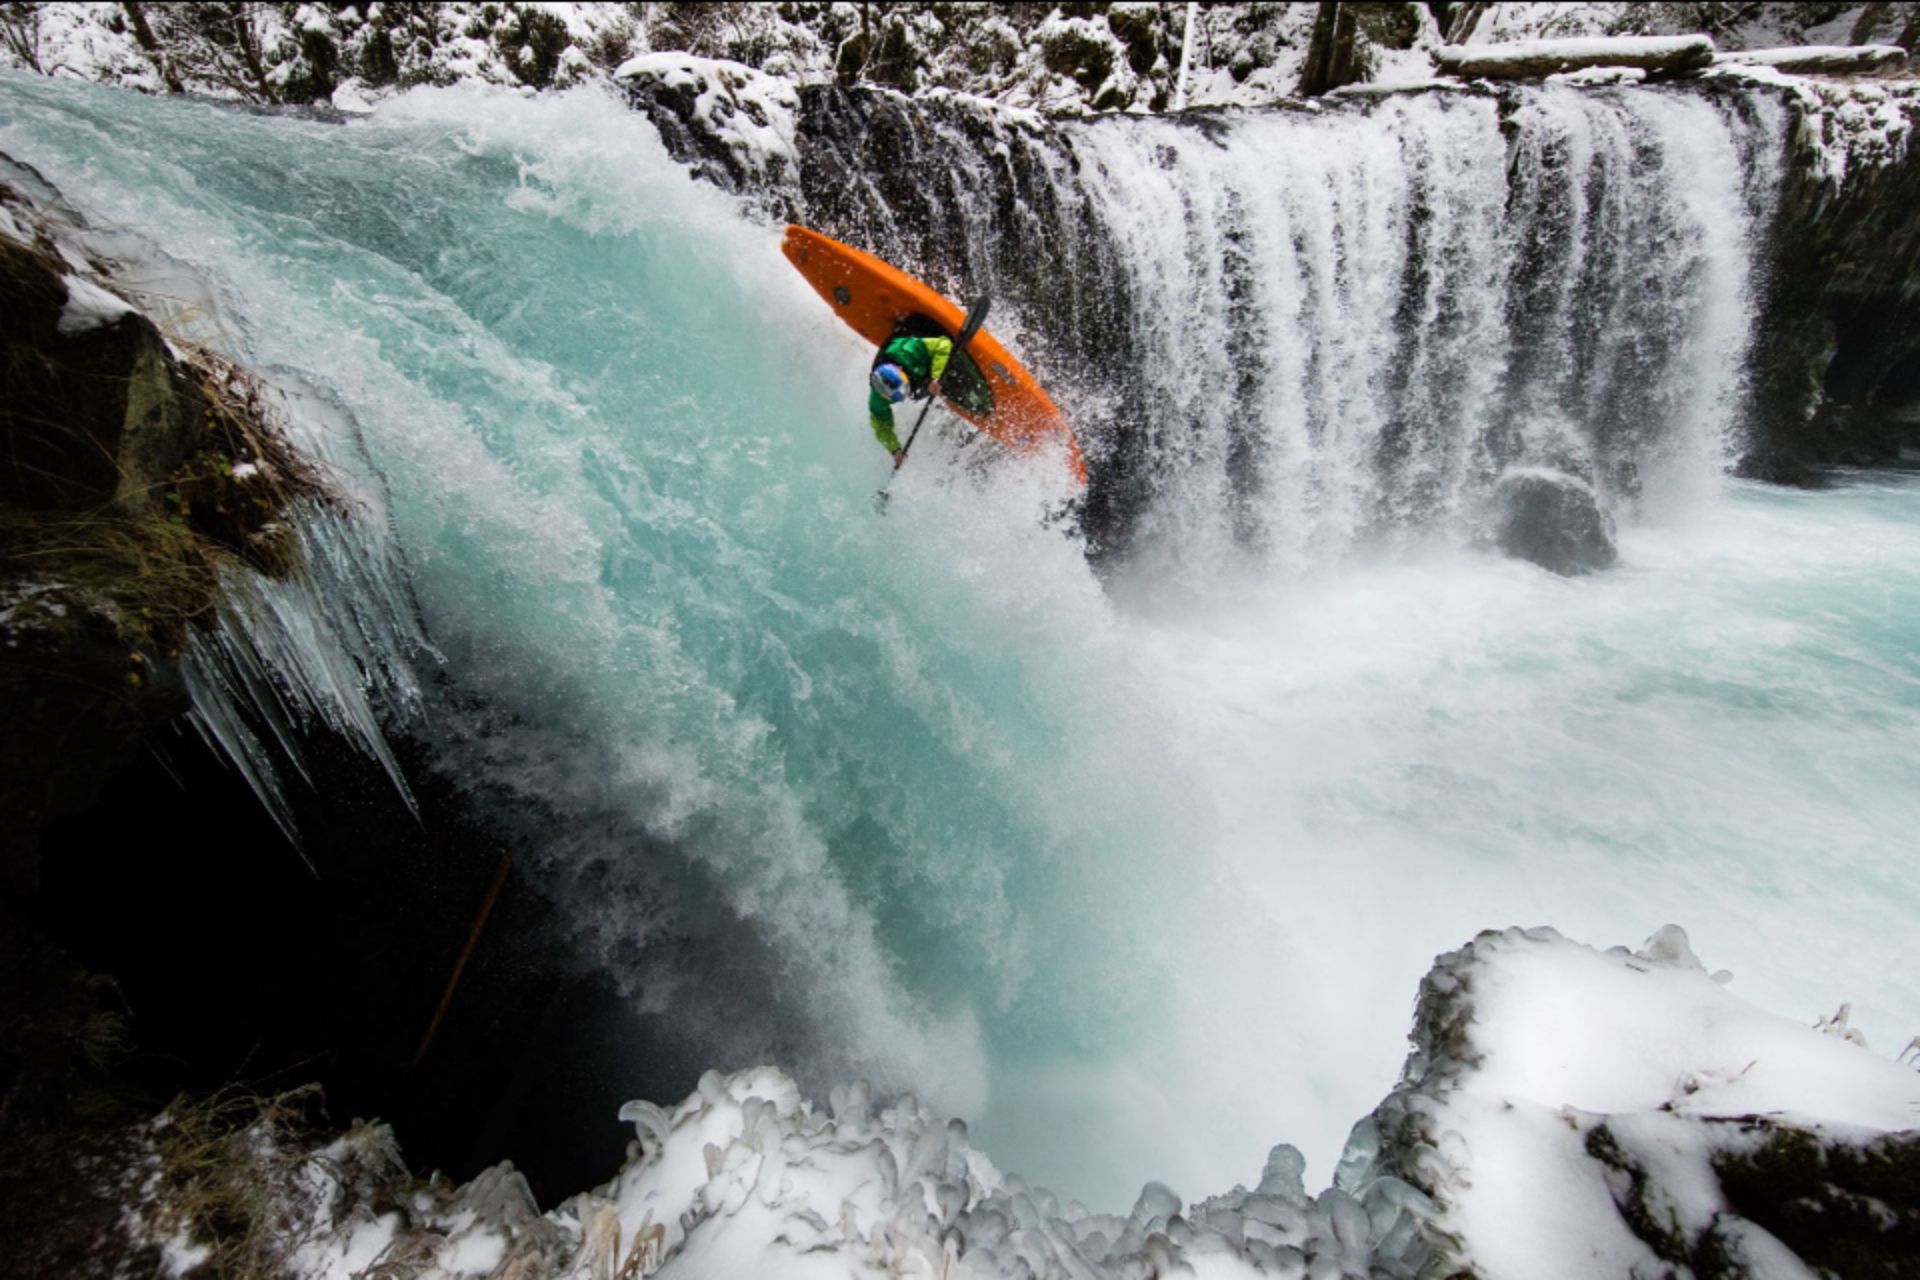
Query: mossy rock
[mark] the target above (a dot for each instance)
(1082, 58)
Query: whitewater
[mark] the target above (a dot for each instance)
(1137, 868)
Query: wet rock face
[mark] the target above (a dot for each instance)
(130, 473)
(94, 415)
(1554, 520)
(94, 409)
(1835, 364)
(1013, 203)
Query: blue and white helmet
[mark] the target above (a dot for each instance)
(889, 382)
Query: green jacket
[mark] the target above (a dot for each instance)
(923, 359)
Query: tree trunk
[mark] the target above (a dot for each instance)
(137, 18)
(1334, 54)
(1851, 59)
(250, 50)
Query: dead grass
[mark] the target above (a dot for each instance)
(229, 1168)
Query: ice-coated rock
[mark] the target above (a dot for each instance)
(1566, 1111)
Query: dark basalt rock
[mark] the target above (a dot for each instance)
(1554, 520)
(1845, 1206)
(131, 471)
(1835, 363)
(91, 424)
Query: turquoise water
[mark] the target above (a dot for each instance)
(1138, 876)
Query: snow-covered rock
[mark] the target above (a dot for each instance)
(735, 124)
(1574, 1112)
(1057, 59)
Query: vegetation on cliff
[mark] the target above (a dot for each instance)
(134, 469)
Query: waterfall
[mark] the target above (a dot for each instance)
(1294, 333)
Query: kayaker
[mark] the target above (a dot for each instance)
(906, 367)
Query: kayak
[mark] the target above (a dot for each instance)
(984, 384)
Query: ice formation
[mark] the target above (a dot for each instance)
(1558, 1098)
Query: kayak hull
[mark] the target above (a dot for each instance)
(873, 297)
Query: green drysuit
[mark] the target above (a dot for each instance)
(923, 360)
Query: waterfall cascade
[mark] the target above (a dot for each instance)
(1292, 333)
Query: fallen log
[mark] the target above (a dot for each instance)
(1829, 59)
(1537, 59)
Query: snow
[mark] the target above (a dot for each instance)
(1562, 1037)
(1537, 1055)
(753, 114)
(1599, 76)
(88, 307)
(1846, 125)
(1504, 23)
(1383, 88)
(179, 1256)
(1636, 1031)
(354, 97)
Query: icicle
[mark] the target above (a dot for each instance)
(329, 646)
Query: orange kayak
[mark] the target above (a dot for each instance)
(993, 391)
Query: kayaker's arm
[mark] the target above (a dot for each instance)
(880, 418)
(941, 351)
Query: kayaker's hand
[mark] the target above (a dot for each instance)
(933, 388)
(899, 456)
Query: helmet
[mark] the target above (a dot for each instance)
(889, 382)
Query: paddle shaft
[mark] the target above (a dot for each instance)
(976, 316)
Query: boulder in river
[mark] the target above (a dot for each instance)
(1553, 519)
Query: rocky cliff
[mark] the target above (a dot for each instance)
(137, 470)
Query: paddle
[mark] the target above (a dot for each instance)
(976, 316)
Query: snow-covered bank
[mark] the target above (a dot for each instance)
(1065, 59)
(1564, 1112)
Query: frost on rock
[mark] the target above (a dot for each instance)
(1841, 125)
(1565, 1112)
(746, 1177)
(736, 118)
(1621, 1108)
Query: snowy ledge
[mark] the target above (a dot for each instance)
(1564, 1112)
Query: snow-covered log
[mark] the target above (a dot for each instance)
(1831, 59)
(1535, 59)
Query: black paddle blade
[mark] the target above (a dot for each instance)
(976, 316)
